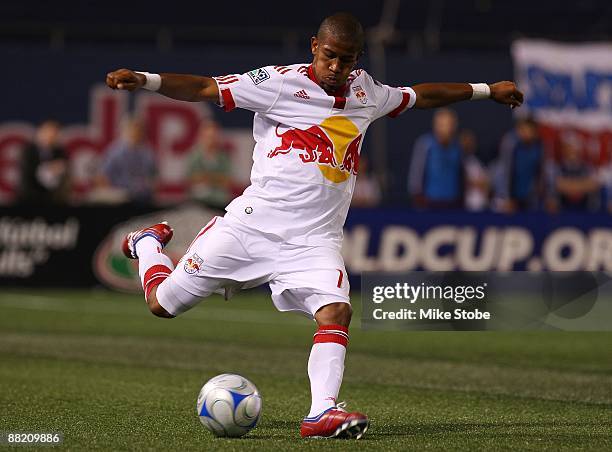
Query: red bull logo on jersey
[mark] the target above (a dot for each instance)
(332, 145)
(360, 94)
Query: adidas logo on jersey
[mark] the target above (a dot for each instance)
(302, 94)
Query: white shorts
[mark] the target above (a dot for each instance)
(227, 256)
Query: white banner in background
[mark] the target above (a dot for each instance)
(566, 84)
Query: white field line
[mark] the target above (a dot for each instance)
(50, 304)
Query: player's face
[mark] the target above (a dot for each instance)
(48, 133)
(526, 132)
(333, 61)
(444, 126)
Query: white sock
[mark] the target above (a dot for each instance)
(326, 367)
(147, 245)
(153, 265)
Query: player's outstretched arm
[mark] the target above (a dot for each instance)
(192, 88)
(432, 95)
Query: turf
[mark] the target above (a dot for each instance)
(98, 367)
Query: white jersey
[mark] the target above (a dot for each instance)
(307, 145)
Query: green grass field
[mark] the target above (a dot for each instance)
(98, 367)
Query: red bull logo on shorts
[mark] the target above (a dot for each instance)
(192, 264)
(333, 146)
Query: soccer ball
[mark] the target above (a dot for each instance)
(229, 405)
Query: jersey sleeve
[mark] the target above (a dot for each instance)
(391, 101)
(256, 90)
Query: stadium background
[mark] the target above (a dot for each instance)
(54, 60)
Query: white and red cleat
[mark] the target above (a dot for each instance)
(160, 232)
(335, 422)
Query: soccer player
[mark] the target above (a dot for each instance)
(286, 228)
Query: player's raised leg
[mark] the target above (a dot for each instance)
(154, 267)
(325, 370)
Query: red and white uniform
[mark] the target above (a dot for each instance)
(286, 228)
(306, 155)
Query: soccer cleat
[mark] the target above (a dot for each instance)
(160, 232)
(335, 422)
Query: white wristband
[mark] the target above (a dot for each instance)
(480, 91)
(153, 82)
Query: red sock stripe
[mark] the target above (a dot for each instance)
(332, 333)
(154, 276)
(326, 338)
(154, 283)
(155, 269)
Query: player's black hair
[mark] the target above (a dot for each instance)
(344, 26)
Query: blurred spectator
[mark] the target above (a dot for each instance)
(367, 189)
(210, 167)
(519, 171)
(605, 178)
(574, 184)
(436, 171)
(129, 166)
(44, 168)
(476, 177)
